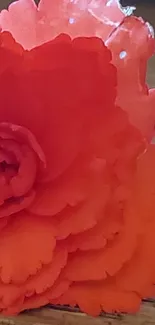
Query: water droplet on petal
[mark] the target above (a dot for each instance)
(71, 20)
(123, 54)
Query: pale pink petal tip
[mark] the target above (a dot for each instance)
(32, 26)
(20, 20)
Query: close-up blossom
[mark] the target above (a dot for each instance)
(77, 157)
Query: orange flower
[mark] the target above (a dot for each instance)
(77, 177)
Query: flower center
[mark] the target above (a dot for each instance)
(19, 156)
(8, 170)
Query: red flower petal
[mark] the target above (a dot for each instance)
(22, 135)
(132, 44)
(84, 216)
(63, 124)
(138, 275)
(21, 158)
(117, 251)
(55, 292)
(25, 245)
(13, 206)
(108, 226)
(21, 20)
(4, 222)
(105, 261)
(10, 51)
(45, 278)
(144, 192)
(93, 298)
(37, 300)
(79, 18)
(42, 281)
(94, 204)
(73, 187)
(37, 26)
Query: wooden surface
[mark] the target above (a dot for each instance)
(47, 316)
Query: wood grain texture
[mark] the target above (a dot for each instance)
(48, 316)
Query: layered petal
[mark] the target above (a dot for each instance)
(83, 18)
(76, 171)
(138, 275)
(105, 261)
(35, 285)
(20, 20)
(72, 188)
(25, 245)
(93, 298)
(144, 187)
(132, 44)
(21, 159)
(37, 300)
(64, 123)
(105, 19)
